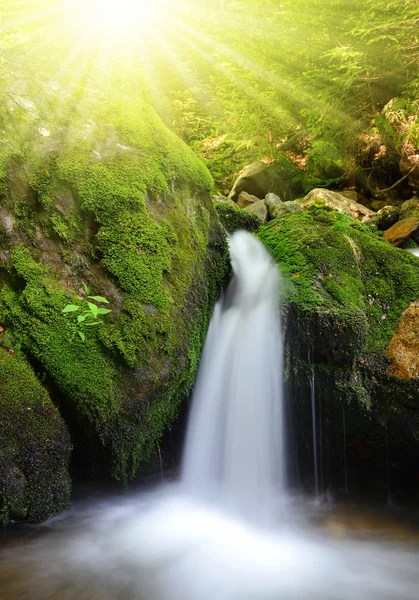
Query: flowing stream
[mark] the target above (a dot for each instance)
(228, 530)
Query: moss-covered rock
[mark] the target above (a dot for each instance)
(347, 290)
(34, 446)
(232, 217)
(116, 201)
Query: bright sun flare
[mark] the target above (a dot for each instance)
(119, 17)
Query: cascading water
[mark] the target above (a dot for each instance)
(201, 539)
(234, 448)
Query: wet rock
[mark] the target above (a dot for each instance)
(334, 201)
(232, 217)
(346, 290)
(246, 199)
(401, 231)
(403, 350)
(34, 446)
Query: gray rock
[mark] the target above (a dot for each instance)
(273, 203)
(246, 199)
(258, 208)
(255, 180)
(335, 201)
(276, 207)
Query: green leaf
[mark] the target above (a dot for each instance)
(86, 289)
(70, 308)
(93, 323)
(103, 311)
(93, 309)
(81, 318)
(99, 299)
(81, 334)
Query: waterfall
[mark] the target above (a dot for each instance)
(214, 535)
(234, 447)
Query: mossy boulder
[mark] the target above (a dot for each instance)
(232, 217)
(347, 290)
(34, 446)
(116, 201)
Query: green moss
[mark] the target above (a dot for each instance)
(335, 265)
(128, 202)
(233, 218)
(34, 446)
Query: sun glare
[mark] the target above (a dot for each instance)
(116, 18)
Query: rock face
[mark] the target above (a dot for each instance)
(122, 205)
(34, 446)
(403, 350)
(350, 296)
(334, 201)
(401, 231)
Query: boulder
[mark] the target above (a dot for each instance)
(255, 180)
(124, 207)
(401, 231)
(386, 217)
(347, 290)
(34, 446)
(246, 199)
(258, 208)
(232, 217)
(273, 203)
(333, 201)
(356, 196)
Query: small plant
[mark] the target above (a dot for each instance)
(90, 316)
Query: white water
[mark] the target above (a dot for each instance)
(207, 537)
(234, 450)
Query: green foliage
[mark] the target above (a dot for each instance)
(335, 265)
(89, 317)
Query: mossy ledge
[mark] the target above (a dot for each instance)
(346, 289)
(120, 203)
